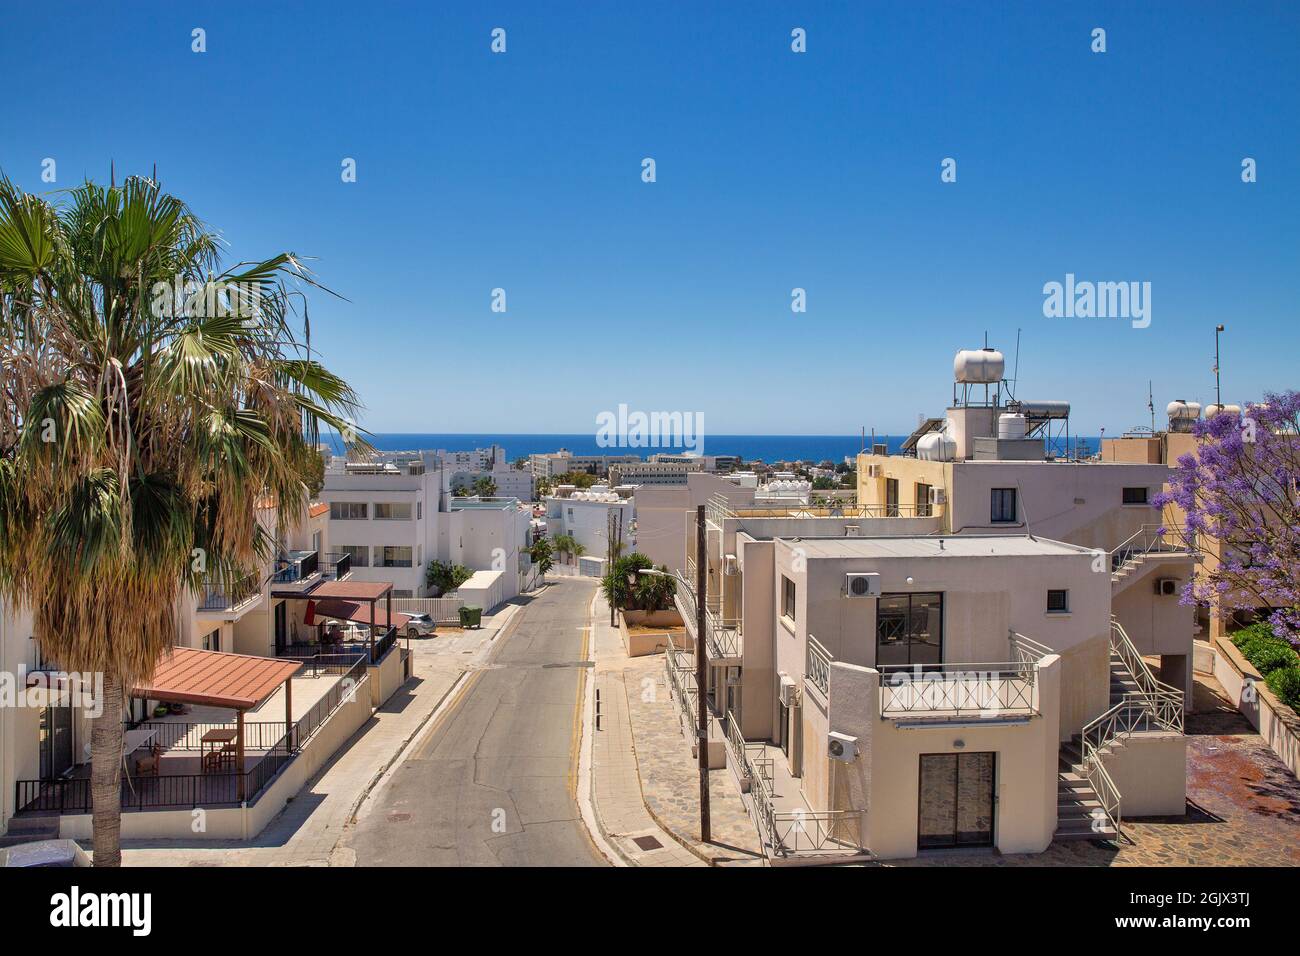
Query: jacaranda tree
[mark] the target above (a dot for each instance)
(1239, 489)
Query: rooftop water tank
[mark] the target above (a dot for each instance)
(1011, 427)
(978, 366)
(1179, 410)
(936, 446)
(1213, 409)
(1052, 408)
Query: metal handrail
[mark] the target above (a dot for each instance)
(986, 690)
(1027, 651)
(1164, 701)
(1149, 539)
(817, 666)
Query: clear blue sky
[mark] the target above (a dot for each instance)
(775, 170)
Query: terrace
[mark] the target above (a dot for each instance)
(202, 757)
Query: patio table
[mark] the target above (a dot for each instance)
(219, 738)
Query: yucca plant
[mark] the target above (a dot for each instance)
(138, 429)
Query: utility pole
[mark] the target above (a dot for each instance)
(1218, 395)
(701, 666)
(609, 561)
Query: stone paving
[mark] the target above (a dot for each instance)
(1243, 807)
(670, 777)
(645, 780)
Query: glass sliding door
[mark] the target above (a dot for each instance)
(56, 756)
(956, 800)
(909, 629)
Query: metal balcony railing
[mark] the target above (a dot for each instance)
(336, 565)
(817, 666)
(987, 691)
(228, 595)
(298, 566)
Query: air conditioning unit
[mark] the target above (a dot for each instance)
(1166, 586)
(841, 747)
(787, 692)
(862, 585)
(729, 564)
(938, 496)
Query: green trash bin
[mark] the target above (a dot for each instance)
(471, 616)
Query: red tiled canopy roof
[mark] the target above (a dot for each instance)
(351, 611)
(350, 590)
(187, 675)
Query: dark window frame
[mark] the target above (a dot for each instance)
(998, 500)
(789, 598)
(1129, 498)
(1065, 600)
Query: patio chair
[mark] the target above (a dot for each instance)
(148, 765)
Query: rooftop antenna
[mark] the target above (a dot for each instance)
(1151, 406)
(1218, 396)
(1015, 373)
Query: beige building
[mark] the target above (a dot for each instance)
(956, 658)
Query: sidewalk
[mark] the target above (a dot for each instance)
(308, 831)
(644, 781)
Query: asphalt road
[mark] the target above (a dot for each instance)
(493, 783)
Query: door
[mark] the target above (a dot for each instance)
(909, 628)
(56, 755)
(956, 800)
(783, 729)
(281, 629)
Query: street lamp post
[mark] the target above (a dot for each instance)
(701, 668)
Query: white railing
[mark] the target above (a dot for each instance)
(988, 691)
(817, 666)
(1153, 539)
(721, 635)
(1164, 702)
(1026, 651)
(681, 678)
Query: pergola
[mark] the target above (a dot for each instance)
(352, 601)
(240, 682)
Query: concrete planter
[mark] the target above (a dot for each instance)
(639, 645)
(1277, 723)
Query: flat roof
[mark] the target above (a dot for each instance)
(925, 546)
(188, 675)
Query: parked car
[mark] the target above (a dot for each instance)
(44, 853)
(420, 625)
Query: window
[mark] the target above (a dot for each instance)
(1002, 503)
(360, 554)
(891, 497)
(787, 597)
(392, 511)
(1135, 496)
(419, 511)
(394, 557)
(1058, 602)
(348, 511)
(922, 500)
(909, 628)
(401, 592)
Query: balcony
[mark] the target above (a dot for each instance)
(943, 692)
(722, 638)
(296, 571)
(336, 565)
(229, 599)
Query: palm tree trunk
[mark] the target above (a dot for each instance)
(106, 775)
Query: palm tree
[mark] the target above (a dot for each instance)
(138, 429)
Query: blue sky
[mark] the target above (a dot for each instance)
(775, 170)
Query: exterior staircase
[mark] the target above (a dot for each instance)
(1087, 800)
(1149, 547)
(28, 829)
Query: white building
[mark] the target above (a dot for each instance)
(654, 472)
(561, 462)
(393, 523)
(586, 516)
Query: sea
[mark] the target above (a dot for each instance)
(766, 448)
